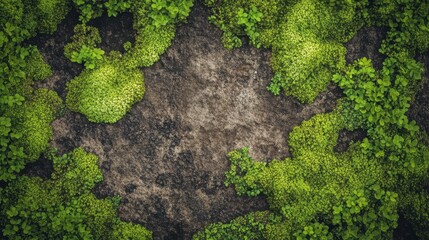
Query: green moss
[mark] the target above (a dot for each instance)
(33, 120)
(100, 214)
(250, 226)
(306, 53)
(368, 213)
(416, 210)
(381, 99)
(318, 134)
(12, 11)
(20, 65)
(51, 13)
(125, 230)
(77, 172)
(106, 93)
(37, 68)
(409, 26)
(150, 44)
(306, 187)
(305, 36)
(155, 23)
(63, 207)
(305, 68)
(83, 36)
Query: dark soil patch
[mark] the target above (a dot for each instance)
(366, 44)
(43, 168)
(345, 138)
(404, 230)
(114, 32)
(419, 110)
(52, 49)
(167, 157)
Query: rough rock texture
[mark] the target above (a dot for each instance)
(167, 157)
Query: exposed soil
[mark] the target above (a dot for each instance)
(345, 138)
(167, 157)
(366, 44)
(52, 49)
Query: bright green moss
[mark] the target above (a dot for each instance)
(314, 231)
(150, 44)
(33, 120)
(106, 93)
(125, 230)
(155, 23)
(319, 134)
(37, 68)
(310, 20)
(305, 68)
(100, 214)
(308, 186)
(63, 207)
(250, 226)
(306, 53)
(305, 36)
(77, 172)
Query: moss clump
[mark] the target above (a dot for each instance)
(125, 230)
(37, 68)
(63, 207)
(150, 44)
(308, 50)
(315, 188)
(83, 36)
(51, 13)
(33, 121)
(305, 68)
(106, 93)
(305, 36)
